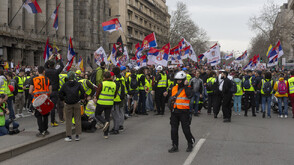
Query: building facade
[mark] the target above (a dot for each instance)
(138, 19)
(23, 35)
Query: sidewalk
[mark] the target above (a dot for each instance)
(13, 145)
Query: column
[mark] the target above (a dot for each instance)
(4, 12)
(69, 8)
(51, 6)
(95, 23)
(61, 19)
(29, 57)
(41, 17)
(17, 21)
(29, 21)
(16, 56)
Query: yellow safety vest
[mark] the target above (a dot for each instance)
(162, 81)
(189, 77)
(240, 93)
(212, 80)
(88, 90)
(106, 96)
(25, 78)
(141, 87)
(251, 89)
(130, 84)
(262, 83)
(88, 111)
(61, 80)
(291, 85)
(20, 84)
(148, 84)
(117, 98)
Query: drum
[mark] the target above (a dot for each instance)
(43, 104)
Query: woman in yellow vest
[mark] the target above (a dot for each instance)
(149, 100)
(106, 92)
(238, 95)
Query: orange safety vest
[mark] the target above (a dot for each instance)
(41, 86)
(182, 101)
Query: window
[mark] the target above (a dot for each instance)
(136, 3)
(130, 15)
(136, 33)
(130, 31)
(136, 17)
(150, 26)
(145, 23)
(141, 21)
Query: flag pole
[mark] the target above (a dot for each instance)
(44, 25)
(16, 13)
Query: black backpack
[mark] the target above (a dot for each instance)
(123, 92)
(267, 87)
(134, 82)
(246, 83)
(234, 88)
(209, 86)
(93, 76)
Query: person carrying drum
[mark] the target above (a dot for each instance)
(41, 85)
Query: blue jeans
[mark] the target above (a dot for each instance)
(237, 103)
(10, 107)
(4, 129)
(266, 100)
(285, 101)
(142, 102)
(195, 99)
(149, 102)
(257, 100)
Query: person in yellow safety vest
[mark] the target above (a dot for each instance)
(27, 100)
(19, 98)
(125, 102)
(88, 119)
(132, 86)
(161, 86)
(238, 95)
(210, 83)
(248, 87)
(10, 95)
(149, 99)
(266, 89)
(291, 90)
(142, 90)
(180, 113)
(188, 75)
(88, 86)
(60, 104)
(106, 92)
(282, 88)
(117, 110)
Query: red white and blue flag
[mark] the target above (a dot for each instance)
(273, 61)
(69, 64)
(149, 41)
(185, 52)
(32, 6)
(138, 52)
(159, 57)
(70, 55)
(55, 17)
(47, 51)
(242, 57)
(112, 25)
(100, 56)
(229, 56)
(276, 51)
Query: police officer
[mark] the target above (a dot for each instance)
(161, 84)
(181, 93)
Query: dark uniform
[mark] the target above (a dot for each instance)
(161, 85)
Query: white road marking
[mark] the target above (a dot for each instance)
(194, 152)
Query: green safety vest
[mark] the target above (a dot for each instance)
(162, 81)
(251, 89)
(212, 80)
(2, 119)
(88, 90)
(262, 83)
(20, 84)
(61, 80)
(189, 77)
(4, 88)
(10, 94)
(106, 96)
(117, 98)
(291, 85)
(141, 87)
(89, 112)
(148, 84)
(170, 83)
(240, 93)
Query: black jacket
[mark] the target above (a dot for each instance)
(53, 75)
(72, 92)
(227, 87)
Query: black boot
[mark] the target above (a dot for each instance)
(173, 149)
(190, 147)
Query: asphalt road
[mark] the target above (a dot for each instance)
(146, 139)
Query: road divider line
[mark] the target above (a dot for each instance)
(193, 154)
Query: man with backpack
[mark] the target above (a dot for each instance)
(132, 87)
(266, 86)
(97, 75)
(248, 88)
(291, 90)
(281, 88)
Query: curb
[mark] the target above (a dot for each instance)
(25, 147)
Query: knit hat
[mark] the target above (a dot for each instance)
(71, 75)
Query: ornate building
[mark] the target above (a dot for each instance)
(138, 19)
(23, 35)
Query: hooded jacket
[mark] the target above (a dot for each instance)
(72, 92)
(276, 88)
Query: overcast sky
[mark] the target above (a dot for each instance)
(225, 21)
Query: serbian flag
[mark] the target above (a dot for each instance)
(138, 52)
(182, 44)
(112, 25)
(69, 64)
(70, 51)
(47, 51)
(32, 6)
(159, 57)
(229, 56)
(142, 61)
(185, 52)
(273, 61)
(276, 51)
(149, 41)
(242, 57)
(55, 17)
(81, 64)
(113, 56)
(201, 56)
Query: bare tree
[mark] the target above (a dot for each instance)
(182, 26)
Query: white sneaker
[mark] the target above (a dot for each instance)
(286, 116)
(67, 139)
(21, 115)
(281, 116)
(17, 116)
